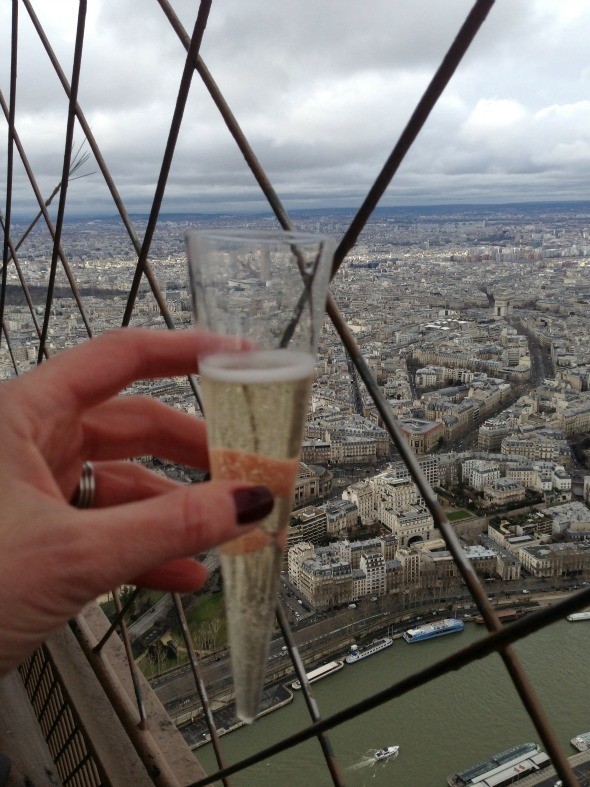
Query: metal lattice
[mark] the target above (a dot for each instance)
(499, 639)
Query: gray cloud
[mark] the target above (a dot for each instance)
(322, 91)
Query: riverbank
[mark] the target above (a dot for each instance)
(278, 694)
(479, 706)
(197, 734)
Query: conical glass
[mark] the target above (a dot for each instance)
(270, 289)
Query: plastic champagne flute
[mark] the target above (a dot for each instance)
(270, 289)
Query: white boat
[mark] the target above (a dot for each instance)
(579, 616)
(386, 753)
(435, 629)
(319, 673)
(356, 653)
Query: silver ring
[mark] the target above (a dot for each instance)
(84, 495)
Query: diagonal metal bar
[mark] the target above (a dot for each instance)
(441, 521)
(49, 223)
(200, 683)
(10, 155)
(447, 68)
(463, 40)
(121, 612)
(183, 91)
(4, 330)
(512, 663)
(230, 120)
(312, 706)
(494, 642)
(77, 162)
(67, 163)
(130, 660)
(13, 256)
(128, 224)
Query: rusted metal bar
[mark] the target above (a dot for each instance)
(200, 684)
(102, 166)
(478, 593)
(76, 164)
(78, 47)
(312, 706)
(121, 612)
(230, 121)
(445, 71)
(49, 223)
(183, 91)
(494, 642)
(23, 283)
(130, 660)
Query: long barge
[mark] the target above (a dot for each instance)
(319, 673)
(503, 615)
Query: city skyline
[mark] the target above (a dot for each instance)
(322, 98)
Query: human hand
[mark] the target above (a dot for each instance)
(55, 557)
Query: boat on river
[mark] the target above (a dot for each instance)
(356, 653)
(386, 753)
(319, 673)
(579, 616)
(435, 629)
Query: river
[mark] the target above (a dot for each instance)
(441, 727)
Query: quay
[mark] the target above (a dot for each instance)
(196, 734)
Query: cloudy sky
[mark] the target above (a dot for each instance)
(322, 89)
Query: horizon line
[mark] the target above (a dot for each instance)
(267, 211)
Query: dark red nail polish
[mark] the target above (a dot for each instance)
(252, 503)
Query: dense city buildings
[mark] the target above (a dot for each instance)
(474, 323)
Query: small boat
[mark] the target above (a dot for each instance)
(579, 616)
(386, 753)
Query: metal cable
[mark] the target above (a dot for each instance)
(65, 172)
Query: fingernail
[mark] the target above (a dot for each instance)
(252, 503)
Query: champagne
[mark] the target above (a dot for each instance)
(255, 406)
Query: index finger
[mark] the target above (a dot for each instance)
(101, 367)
